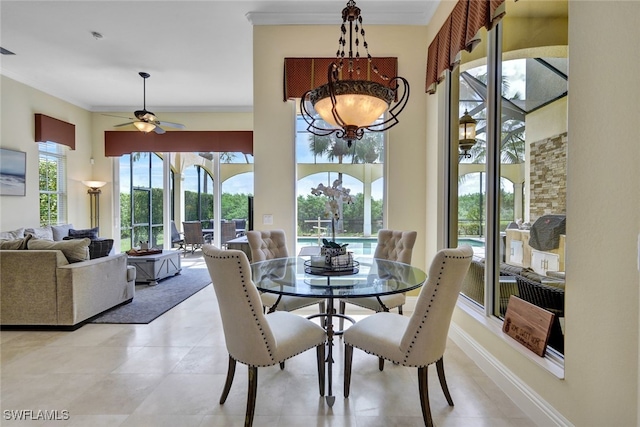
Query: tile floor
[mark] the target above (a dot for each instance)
(171, 373)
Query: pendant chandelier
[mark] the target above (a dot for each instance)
(348, 106)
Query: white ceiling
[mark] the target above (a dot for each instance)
(199, 53)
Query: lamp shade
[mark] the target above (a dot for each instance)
(94, 184)
(357, 102)
(144, 126)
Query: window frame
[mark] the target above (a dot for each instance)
(56, 153)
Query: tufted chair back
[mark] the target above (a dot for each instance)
(247, 334)
(425, 338)
(395, 245)
(268, 244)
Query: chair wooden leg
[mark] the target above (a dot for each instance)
(227, 385)
(281, 365)
(322, 308)
(341, 309)
(251, 396)
(380, 363)
(423, 387)
(320, 361)
(443, 380)
(348, 358)
(400, 310)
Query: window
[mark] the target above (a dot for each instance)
(324, 159)
(141, 200)
(516, 171)
(193, 188)
(52, 183)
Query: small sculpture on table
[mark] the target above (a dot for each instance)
(333, 256)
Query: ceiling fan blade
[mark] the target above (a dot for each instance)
(172, 125)
(120, 117)
(159, 130)
(122, 124)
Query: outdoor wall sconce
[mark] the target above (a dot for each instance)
(94, 200)
(467, 135)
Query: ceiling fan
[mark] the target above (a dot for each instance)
(145, 120)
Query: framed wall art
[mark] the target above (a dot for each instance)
(13, 172)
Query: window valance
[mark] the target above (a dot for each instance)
(457, 33)
(303, 74)
(117, 143)
(54, 130)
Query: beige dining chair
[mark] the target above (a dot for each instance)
(251, 337)
(393, 245)
(419, 340)
(270, 244)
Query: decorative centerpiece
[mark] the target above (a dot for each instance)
(333, 256)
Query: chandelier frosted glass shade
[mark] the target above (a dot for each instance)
(347, 108)
(358, 103)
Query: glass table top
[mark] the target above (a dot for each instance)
(373, 277)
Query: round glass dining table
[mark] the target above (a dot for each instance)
(370, 277)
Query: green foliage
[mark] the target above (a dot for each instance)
(234, 205)
(311, 207)
(472, 215)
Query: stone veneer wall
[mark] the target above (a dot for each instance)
(548, 177)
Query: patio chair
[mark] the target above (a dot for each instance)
(251, 337)
(551, 298)
(192, 235)
(176, 236)
(228, 231)
(416, 341)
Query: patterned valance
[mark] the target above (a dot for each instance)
(117, 143)
(457, 33)
(303, 74)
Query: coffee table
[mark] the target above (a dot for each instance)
(154, 267)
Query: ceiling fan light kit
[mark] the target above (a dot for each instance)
(147, 121)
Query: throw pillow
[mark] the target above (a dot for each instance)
(75, 250)
(12, 235)
(15, 244)
(99, 248)
(60, 231)
(45, 232)
(91, 233)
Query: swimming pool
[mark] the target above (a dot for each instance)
(357, 245)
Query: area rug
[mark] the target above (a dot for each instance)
(152, 301)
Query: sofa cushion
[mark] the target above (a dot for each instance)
(99, 248)
(15, 244)
(75, 250)
(91, 233)
(45, 232)
(12, 235)
(60, 231)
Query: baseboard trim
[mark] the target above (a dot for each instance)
(534, 406)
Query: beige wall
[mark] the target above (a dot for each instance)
(275, 174)
(603, 211)
(19, 104)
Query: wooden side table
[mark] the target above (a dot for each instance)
(154, 267)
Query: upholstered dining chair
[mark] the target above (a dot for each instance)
(192, 235)
(419, 340)
(393, 245)
(252, 337)
(270, 244)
